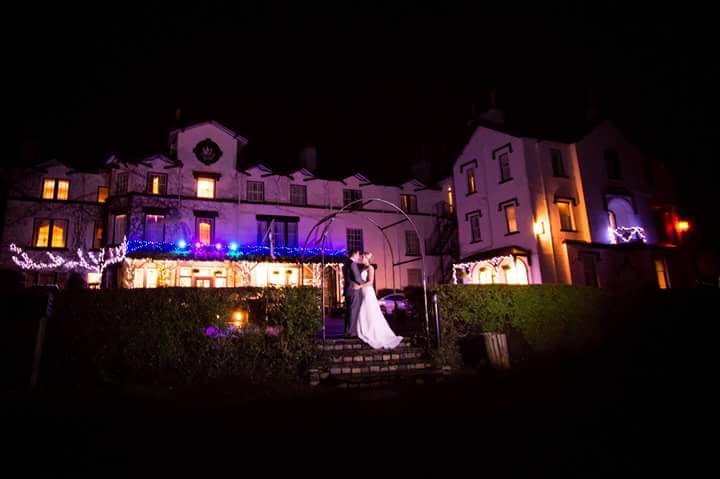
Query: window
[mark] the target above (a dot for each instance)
(49, 233)
(255, 191)
(298, 194)
(155, 228)
(121, 186)
(475, 228)
(414, 276)
(55, 189)
(204, 232)
(662, 273)
(511, 218)
(284, 231)
(119, 228)
(470, 176)
(450, 203)
(412, 244)
(354, 239)
(98, 236)
(206, 187)
(505, 168)
(408, 203)
(589, 269)
(613, 165)
(156, 184)
(557, 163)
(567, 222)
(352, 195)
(102, 194)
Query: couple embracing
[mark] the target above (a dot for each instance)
(363, 317)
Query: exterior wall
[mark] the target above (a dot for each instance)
(491, 193)
(25, 204)
(594, 173)
(235, 217)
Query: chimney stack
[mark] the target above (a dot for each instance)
(308, 158)
(493, 114)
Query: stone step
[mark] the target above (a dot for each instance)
(355, 345)
(365, 356)
(379, 367)
(385, 379)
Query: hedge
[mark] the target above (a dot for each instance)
(545, 318)
(180, 335)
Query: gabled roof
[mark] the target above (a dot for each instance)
(214, 123)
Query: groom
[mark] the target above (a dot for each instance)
(351, 276)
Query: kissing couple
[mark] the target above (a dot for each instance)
(363, 317)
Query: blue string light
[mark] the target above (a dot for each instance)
(230, 250)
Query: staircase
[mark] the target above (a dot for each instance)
(350, 363)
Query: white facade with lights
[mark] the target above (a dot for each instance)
(198, 217)
(593, 212)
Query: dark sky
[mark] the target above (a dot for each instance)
(378, 87)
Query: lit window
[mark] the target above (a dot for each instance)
(408, 203)
(156, 184)
(151, 276)
(612, 220)
(206, 188)
(50, 233)
(256, 191)
(567, 222)
(55, 189)
(470, 175)
(205, 230)
(93, 280)
(102, 194)
(511, 219)
(661, 272)
(48, 189)
(450, 199)
(63, 189)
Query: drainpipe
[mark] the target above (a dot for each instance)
(547, 213)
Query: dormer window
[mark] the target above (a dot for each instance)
(55, 189)
(256, 191)
(156, 184)
(470, 174)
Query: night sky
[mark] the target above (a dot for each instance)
(375, 88)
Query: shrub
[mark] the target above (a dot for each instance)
(161, 335)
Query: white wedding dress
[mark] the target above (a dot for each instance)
(372, 327)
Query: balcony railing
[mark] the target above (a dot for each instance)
(627, 234)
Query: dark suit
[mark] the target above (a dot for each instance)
(351, 275)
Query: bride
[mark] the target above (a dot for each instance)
(371, 325)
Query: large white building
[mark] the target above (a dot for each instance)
(202, 217)
(590, 210)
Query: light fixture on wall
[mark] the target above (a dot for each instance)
(683, 226)
(539, 227)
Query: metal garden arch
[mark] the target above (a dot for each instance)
(328, 220)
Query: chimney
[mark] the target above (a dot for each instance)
(308, 158)
(178, 114)
(493, 114)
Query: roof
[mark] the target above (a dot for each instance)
(216, 125)
(493, 253)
